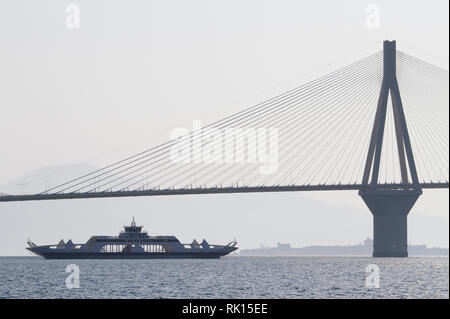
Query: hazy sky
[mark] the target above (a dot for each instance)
(134, 70)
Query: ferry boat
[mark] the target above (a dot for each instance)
(132, 243)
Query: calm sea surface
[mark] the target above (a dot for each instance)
(229, 277)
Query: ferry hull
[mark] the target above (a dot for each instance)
(132, 256)
(164, 255)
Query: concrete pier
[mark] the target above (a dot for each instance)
(390, 210)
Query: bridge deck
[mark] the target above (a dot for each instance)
(225, 190)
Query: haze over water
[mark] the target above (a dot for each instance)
(229, 277)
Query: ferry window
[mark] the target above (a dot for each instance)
(153, 248)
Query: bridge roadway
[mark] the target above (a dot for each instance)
(214, 190)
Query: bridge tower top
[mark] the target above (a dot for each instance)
(390, 88)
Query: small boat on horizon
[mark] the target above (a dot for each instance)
(132, 243)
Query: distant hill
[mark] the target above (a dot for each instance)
(44, 178)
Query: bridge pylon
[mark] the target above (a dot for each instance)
(390, 207)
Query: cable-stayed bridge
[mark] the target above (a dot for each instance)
(378, 125)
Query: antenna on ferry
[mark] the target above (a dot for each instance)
(133, 223)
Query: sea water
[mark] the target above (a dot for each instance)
(228, 277)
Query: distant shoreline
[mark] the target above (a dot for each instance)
(361, 250)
